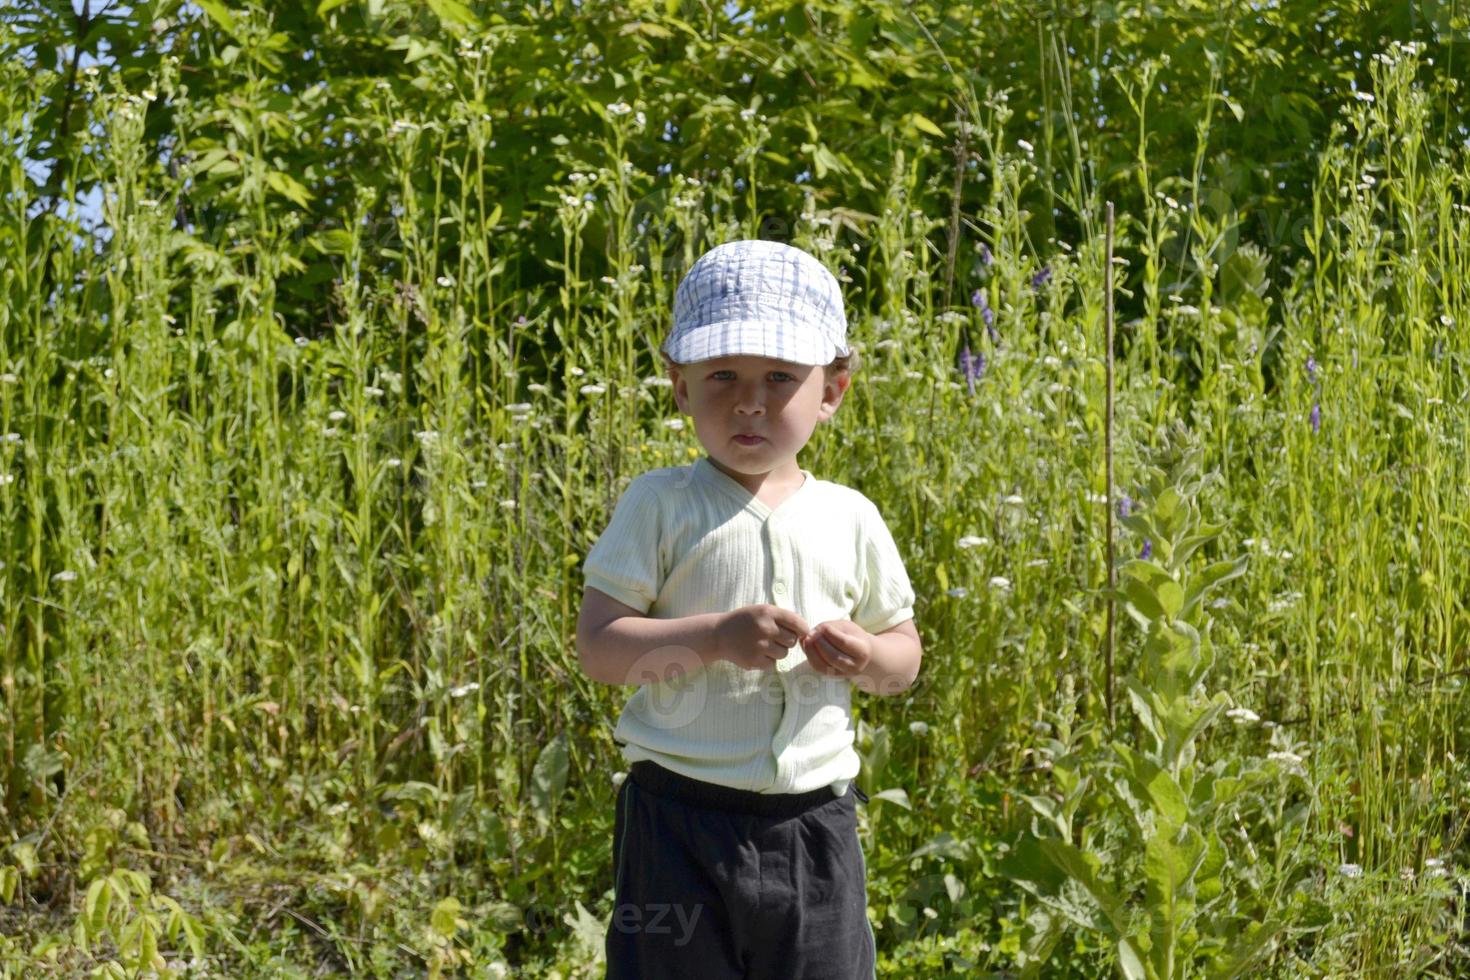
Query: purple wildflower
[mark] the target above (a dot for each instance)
(1125, 505)
(972, 366)
(1312, 369)
(1148, 549)
(1039, 280)
(985, 255)
(986, 313)
(1316, 418)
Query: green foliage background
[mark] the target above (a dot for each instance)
(308, 426)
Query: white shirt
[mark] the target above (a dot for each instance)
(690, 540)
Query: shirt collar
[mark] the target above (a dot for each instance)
(713, 476)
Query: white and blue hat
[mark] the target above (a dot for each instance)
(761, 298)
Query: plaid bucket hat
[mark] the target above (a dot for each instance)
(758, 297)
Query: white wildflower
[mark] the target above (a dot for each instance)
(619, 109)
(675, 424)
(12, 437)
(1242, 716)
(576, 372)
(508, 505)
(919, 728)
(518, 408)
(463, 689)
(1363, 96)
(1286, 758)
(66, 576)
(394, 462)
(8, 378)
(1350, 870)
(6, 479)
(747, 114)
(593, 389)
(656, 382)
(970, 541)
(618, 777)
(537, 387)
(302, 341)
(427, 436)
(445, 281)
(1014, 500)
(336, 416)
(373, 391)
(1023, 144)
(1000, 583)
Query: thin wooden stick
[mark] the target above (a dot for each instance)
(1108, 454)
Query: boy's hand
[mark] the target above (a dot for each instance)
(838, 647)
(755, 637)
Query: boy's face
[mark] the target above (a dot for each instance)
(778, 402)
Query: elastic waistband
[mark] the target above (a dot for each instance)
(659, 781)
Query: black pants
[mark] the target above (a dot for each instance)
(714, 883)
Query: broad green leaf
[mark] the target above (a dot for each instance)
(1157, 786)
(1171, 597)
(1167, 868)
(445, 918)
(1253, 942)
(218, 13)
(454, 13)
(1143, 598)
(1083, 867)
(327, 6)
(944, 845)
(894, 795)
(549, 778)
(924, 124)
(1213, 575)
(287, 186)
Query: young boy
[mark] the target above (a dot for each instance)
(735, 845)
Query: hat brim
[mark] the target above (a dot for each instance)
(731, 338)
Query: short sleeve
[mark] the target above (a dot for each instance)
(624, 563)
(886, 598)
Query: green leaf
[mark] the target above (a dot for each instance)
(549, 778)
(287, 186)
(1253, 942)
(452, 12)
(924, 124)
(894, 795)
(218, 13)
(1157, 786)
(1143, 598)
(944, 845)
(1082, 867)
(1171, 598)
(1213, 575)
(1167, 869)
(327, 6)
(445, 919)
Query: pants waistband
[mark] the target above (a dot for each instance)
(659, 781)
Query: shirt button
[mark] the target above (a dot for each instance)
(779, 588)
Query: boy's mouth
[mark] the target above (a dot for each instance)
(747, 440)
